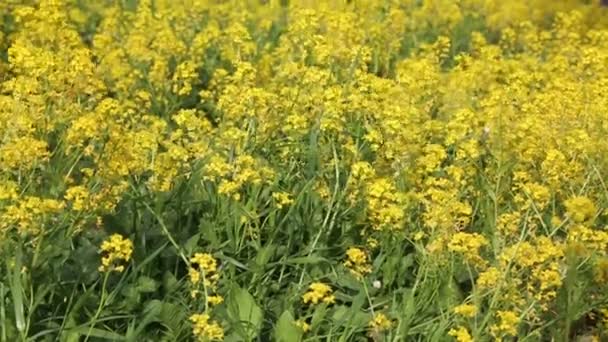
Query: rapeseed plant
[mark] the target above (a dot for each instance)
(441, 163)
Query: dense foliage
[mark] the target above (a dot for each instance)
(179, 170)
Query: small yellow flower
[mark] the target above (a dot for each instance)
(357, 262)
(8, 190)
(488, 278)
(461, 334)
(302, 325)
(604, 313)
(507, 324)
(380, 323)
(322, 190)
(466, 310)
(215, 300)
(206, 330)
(580, 208)
(468, 244)
(115, 250)
(318, 292)
(556, 221)
(79, 196)
(282, 199)
(203, 266)
(372, 243)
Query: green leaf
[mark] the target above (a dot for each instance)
(318, 315)
(286, 330)
(340, 313)
(313, 259)
(234, 337)
(132, 297)
(6, 323)
(152, 312)
(360, 319)
(208, 232)
(191, 244)
(233, 261)
(170, 283)
(17, 291)
(264, 255)
(352, 316)
(146, 284)
(407, 311)
(450, 294)
(172, 316)
(99, 333)
(349, 281)
(244, 309)
(66, 334)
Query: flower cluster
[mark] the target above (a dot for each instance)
(461, 334)
(379, 323)
(203, 271)
(204, 329)
(115, 252)
(318, 293)
(357, 262)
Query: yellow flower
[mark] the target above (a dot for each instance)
(461, 334)
(604, 313)
(8, 190)
(23, 152)
(282, 199)
(322, 190)
(115, 250)
(372, 243)
(79, 196)
(362, 171)
(302, 325)
(318, 292)
(206, 330)
(185, 74)
(600, 271)
(580, 208)
(468, 244)
(488, 278)
(507, 324)
(385, 204)
(215, 300)
(380, 323)
(203, 266)
(466, 310)
(508, 223)
(30, 214)
(205, 262)
(357, 261)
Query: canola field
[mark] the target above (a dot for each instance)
(365, 170)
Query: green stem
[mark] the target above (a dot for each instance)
(164, 228)
(2, 314)
(101, 304)
(161, 222)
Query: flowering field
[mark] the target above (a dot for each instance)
(198, 170)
